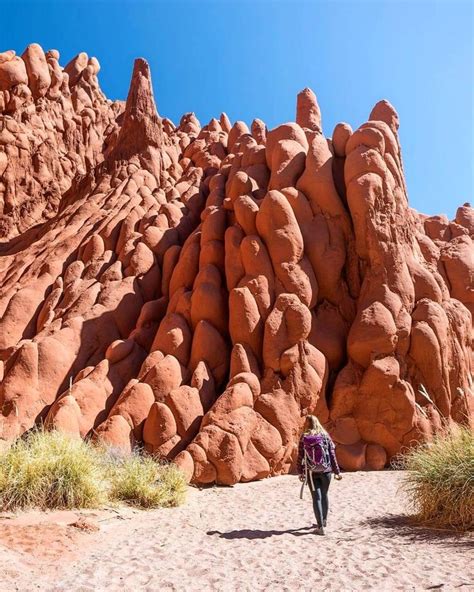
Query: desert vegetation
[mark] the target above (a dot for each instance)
(141, 481)
(51, 470)
(440, 479)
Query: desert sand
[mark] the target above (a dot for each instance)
(249, 537)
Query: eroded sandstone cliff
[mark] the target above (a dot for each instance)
(206, 287)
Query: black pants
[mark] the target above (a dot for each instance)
(321, 483)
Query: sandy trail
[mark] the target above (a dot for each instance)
(246, 538)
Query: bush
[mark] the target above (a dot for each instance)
(141, 481)
(440, 480)
(50, 470)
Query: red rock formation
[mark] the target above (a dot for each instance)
(207, 287)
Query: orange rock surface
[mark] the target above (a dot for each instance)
(207, 287)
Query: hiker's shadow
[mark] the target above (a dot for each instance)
(259, 534)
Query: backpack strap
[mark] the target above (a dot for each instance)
(307, 472)
(305, 480)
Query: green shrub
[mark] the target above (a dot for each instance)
(51, 470)
(140, 480)
(440, 480)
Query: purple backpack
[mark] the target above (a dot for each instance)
(317, 457)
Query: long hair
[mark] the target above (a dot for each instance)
(313, 425)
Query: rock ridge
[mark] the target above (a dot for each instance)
(206, 287)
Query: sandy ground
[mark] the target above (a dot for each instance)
(246, 538)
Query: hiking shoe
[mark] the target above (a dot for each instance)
(324, 523)
(319, 530)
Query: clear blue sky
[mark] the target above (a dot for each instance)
(250, 58)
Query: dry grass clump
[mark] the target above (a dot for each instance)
(141, 481)
(440, 480)
(51, 470)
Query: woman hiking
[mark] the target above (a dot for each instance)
(316, 464)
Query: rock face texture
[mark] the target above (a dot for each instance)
(207, 287)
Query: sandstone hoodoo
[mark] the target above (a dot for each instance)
(206, 287)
